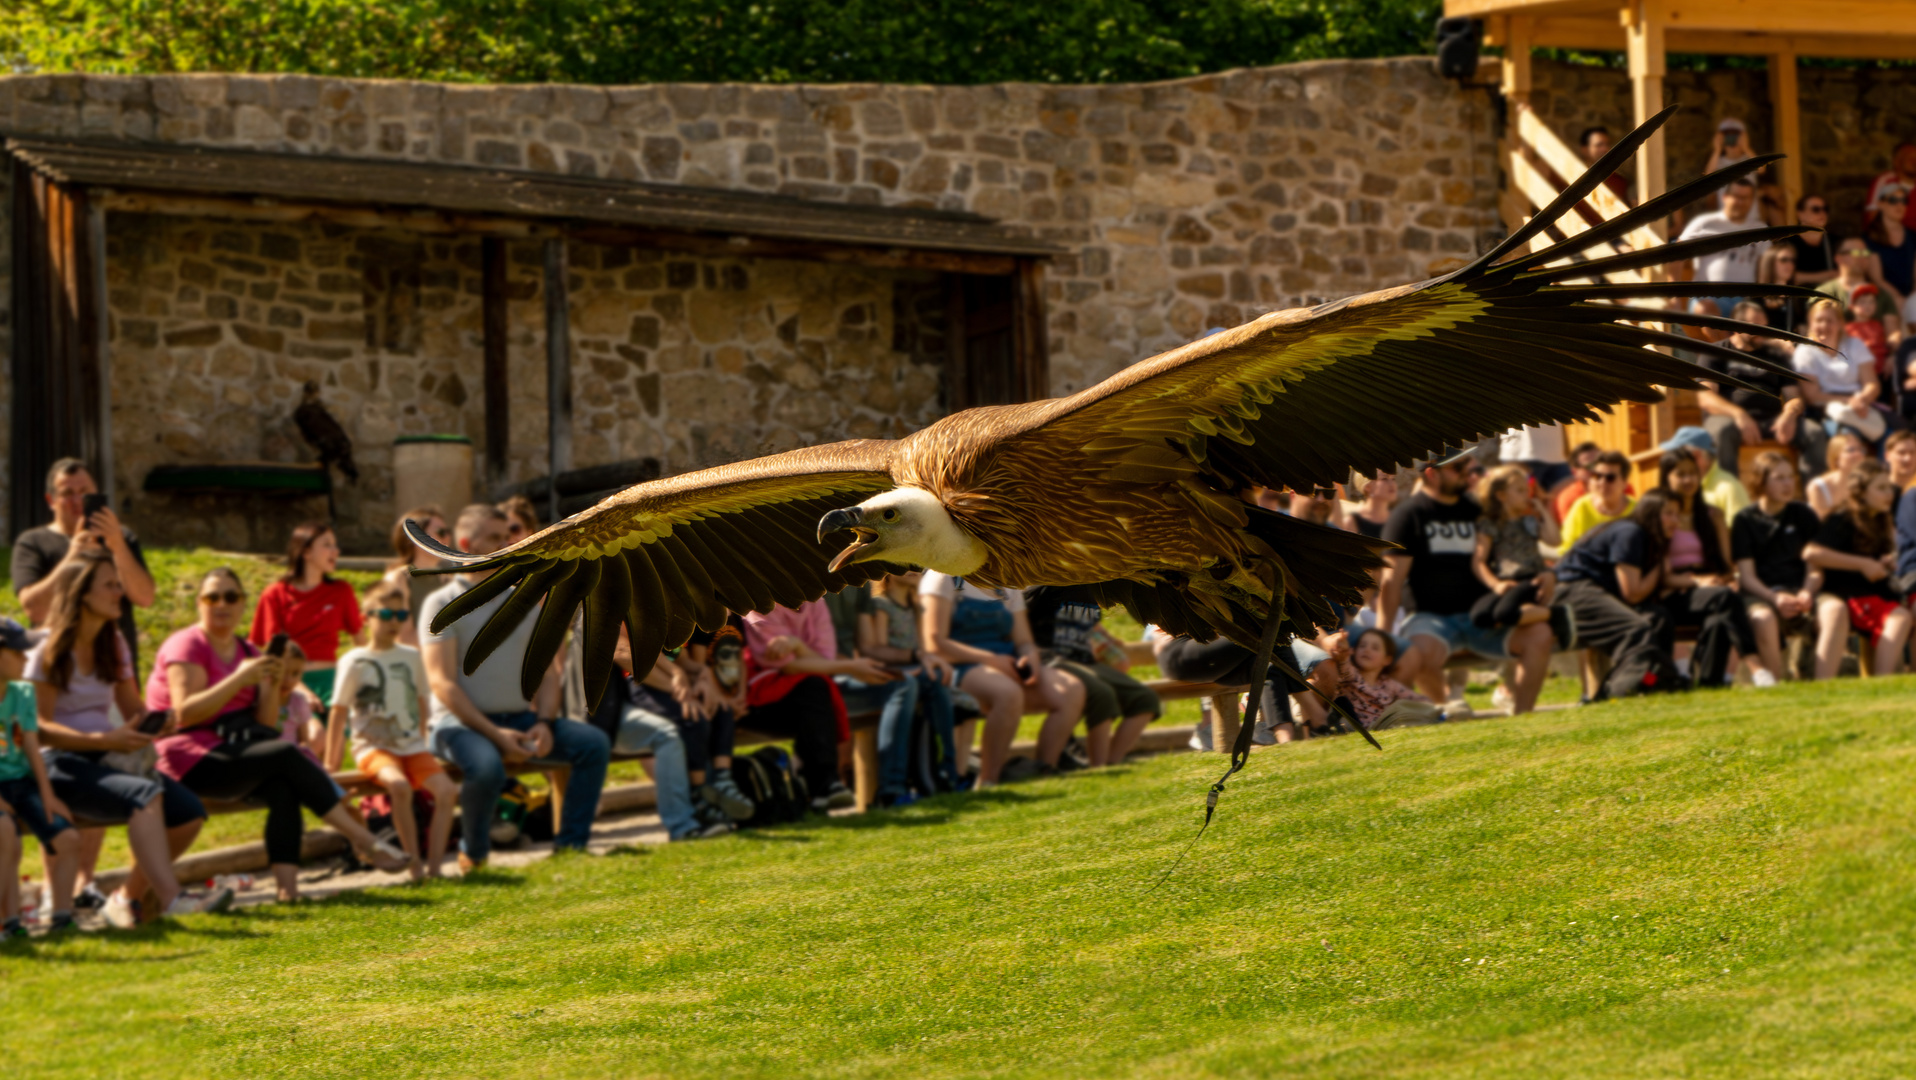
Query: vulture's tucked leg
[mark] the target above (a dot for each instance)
(1260, 670)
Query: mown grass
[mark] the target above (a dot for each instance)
(1710, 885)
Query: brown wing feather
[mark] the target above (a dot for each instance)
(687, 548)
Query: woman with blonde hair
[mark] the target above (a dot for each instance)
(1840, 378)
(1846, 451)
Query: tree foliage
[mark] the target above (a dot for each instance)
(776, 41)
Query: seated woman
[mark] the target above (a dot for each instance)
(986, 635)
(1117, 707)
(793, 655)
(1766, 543)
(1696, 593)
(1840, 378)
(1846, 451)
(227, 744)
(1856, 550)
(888, 633)
(311, 606)
(79, 672)
(408, 556)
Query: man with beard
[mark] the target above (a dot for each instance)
(1437, 531)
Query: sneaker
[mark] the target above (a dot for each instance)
(1501, 698)
(62, 922)
(13, 929)
(898, 801)
(120, 912)
(706, 831)
(1563, 623)
(836, 797)
(89, 898)
(1762, 679)
(217, 900)
(709, 813)
(722, 790)
(183, 905)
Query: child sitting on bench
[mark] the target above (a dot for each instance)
(381, 696)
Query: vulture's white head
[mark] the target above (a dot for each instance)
(905, 525)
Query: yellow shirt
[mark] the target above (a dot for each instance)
(1725, 492)
(1585, 516)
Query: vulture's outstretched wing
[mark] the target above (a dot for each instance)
(1299, 398)
(669, 555)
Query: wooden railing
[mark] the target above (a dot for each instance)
(1531, 152)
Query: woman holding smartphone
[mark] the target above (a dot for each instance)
(986, 636)
(225, 693)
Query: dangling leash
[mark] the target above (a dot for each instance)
(1241, 747)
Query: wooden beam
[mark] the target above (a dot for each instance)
(957, 363)
(1516, 63)
(1554, 152)
(1595, 34)
(1782, 17)
(1643, 24)
(1031, 331)
(1786, 107)
(495, 324)
(558, 373)
(442, 224)
(102, 319)
(1483, 9)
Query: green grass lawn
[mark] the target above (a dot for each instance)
(1712, 885)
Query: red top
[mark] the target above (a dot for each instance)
(313, 618)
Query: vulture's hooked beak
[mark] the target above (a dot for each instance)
(849, 518)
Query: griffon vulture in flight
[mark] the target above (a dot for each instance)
(1131, 487)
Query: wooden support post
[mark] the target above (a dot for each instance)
(1789, 128)
(1225, 722)
(102, 352)
(957, 364)
(1520, 31)
(865, 766)
(558, 374)
(1643, 24)
(498, 387)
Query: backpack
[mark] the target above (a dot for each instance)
(777, 792)
(1645, 669)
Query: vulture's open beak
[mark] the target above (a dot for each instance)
(848, 518)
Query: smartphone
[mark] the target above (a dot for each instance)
(91, 504)
(1732, 137)
(153, 722)
(277, 646)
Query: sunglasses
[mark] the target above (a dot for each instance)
(395, 614)
(1816, 208)
(1606, 477)
(1855, 253)
(230, 596)
(1892, 200)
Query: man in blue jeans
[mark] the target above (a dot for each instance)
(482, 723)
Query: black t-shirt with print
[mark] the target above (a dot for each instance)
(1062, 618)
(1440, 539)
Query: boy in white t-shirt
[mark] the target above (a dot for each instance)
(380, 694)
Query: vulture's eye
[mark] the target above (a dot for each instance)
(890, 515)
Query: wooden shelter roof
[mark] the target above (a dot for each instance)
(469, 195)
(1861, 29)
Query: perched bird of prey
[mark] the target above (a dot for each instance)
(1131, 488)
(318, 427)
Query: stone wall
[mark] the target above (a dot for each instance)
(217, 326)
(1183, 205)
(1852, 119)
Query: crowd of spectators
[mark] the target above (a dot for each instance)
(1777, 538)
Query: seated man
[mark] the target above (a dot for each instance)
(643, 717)
(1608, 499)
(1436, 530)
(482, 723)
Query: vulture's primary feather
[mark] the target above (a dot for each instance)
(1132, 487)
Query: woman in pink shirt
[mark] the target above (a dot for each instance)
(794, 654)
(228, 744)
